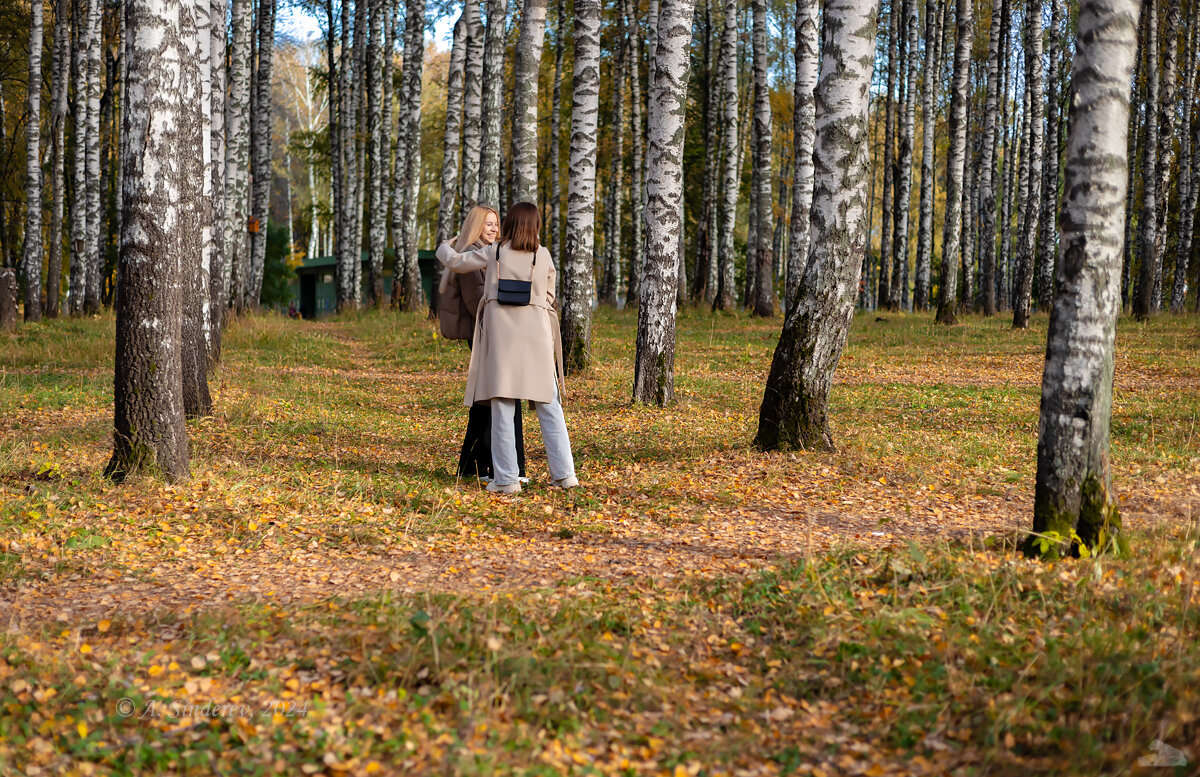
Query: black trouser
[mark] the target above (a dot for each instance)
(475, 459)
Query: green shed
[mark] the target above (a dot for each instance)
(314, 290)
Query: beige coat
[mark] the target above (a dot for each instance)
(517, 348)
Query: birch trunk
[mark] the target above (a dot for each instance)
(95, 264)
(921, 285)
(1143, 306)
(987, 192)
(708, 94)
(493, 89)
(1047, 248)
(377, 153)
(795, 407)
(899, 290)
(218, 271)
(31, 260)
(654, 362)
(637, 131)
(406, 278)
(612, 200)
(1189, 154)
(446, 225)
(58, 121)
(1032, 199)
(886, 236)
(149, 430)
(472, 137)
(554, 218)
(956, 160)
(581, 190)
(764, 291)
(526, 68)
(196, 223)
(77, 278)
(1166, 143)
(726, 287)
(803, 135)
(1073, 490)
(260, 161)
(237, 156)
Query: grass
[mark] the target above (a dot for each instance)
(323, 595)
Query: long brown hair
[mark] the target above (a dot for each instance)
(472, 227)
(521, 226)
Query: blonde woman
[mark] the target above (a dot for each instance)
(517, 343)
(458, 301)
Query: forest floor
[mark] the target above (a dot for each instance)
(323, 595)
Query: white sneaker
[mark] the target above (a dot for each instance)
(511, 488)
(523, 480)
(569, 482)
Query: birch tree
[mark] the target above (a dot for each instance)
(1032, 162)
(31, 260)
(58, 121)
(637, 132)
(581, 190)
(196, 222)
(237, 156)
(526, 66)
(1073, 490)
(1167, 108)
(93, 181)
(611, 264)
(446, 225)
(493, 89)
(726, 288)
(987, 192)
(947, 312)
(218, 271)
(472, 134)
(887, 211)
(377, 152)
(898, 295)
(554, 214)
(921, 277)
(260, 159)
(1189, 163)
(1047, 245)
(1143, 306)
(795, 407)
(406, 278)
(149, 430)
(764, 290)
(654, 362)
(803, 135)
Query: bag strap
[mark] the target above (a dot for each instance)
(531, 267)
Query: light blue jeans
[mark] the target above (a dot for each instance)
(554, 436)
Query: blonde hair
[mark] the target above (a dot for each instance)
(472, 227)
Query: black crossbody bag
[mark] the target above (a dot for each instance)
(511, 291)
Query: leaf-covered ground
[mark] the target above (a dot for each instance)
(324, 596)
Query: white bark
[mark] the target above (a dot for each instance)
(447, 214)
(637, 202)
(899, 289)
(952, 235)
(581, 190)
(1074, 481)
(526, 67)
(218, 271)
(803, 136)
(760, 187)
(726, 297)
(406, 281)
(987, 192)
(237, 157)
(654, 362)
(795, 405)
(1032, 199)
(1189, 165)
(493, 90)
(149, 429)
(31, 260)
(95, 263)
(58, 121)
(196, 149)
(377, 153)
(472, 137)
(260, 162)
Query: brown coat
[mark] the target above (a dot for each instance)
(517, 348)
(458, 299)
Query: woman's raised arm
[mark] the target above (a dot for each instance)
(464, 262)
